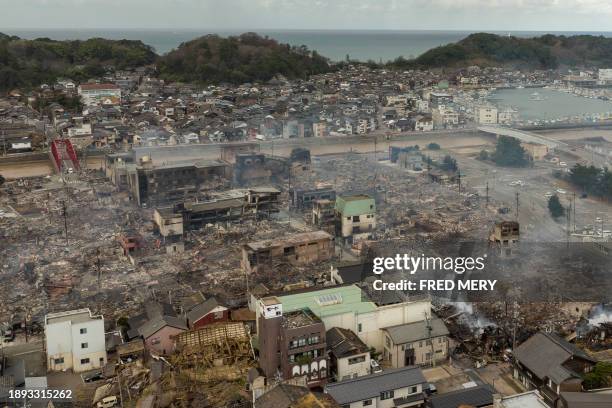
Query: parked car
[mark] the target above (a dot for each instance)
(107, 402)
(375, 367)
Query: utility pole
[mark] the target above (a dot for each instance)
(574, 194)
(65, 220)
(568, 217)
(375, 147)
(517, 205)
(459, 180)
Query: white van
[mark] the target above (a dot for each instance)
(107, 402)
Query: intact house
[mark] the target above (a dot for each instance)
(417, 343)
(480, 396)
(291, 344)
(356, 217)
(349, 357)
(157, 326)
(74, 340)
(296, 249)
(400, 387)
(551, 365)
(207, 312)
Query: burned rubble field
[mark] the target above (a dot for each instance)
(43, 270)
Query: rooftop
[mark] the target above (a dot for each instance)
(343, 342)
(72, 316)
(348, 300)
(531, 399)
(370, 386)
(299, 318)
(411, 332)
(289, 240)
(89, 87)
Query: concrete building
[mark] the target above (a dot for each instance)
(94, 94)
(302, 199)
(324, 215)
(74, 340)
(297, 249)
(356, 217)
(291, 344)
(351, 308)
(349, 357)
(486, 115)
(400, 387)
(154, 184)
(505, 236)
(418, 343)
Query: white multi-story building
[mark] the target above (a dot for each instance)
(486, 115)
(605, 74)
(94, 94)
(74, 340)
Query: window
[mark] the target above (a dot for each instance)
(367, 403)
(58, 360)
(84, 345)
(313, 340)
(356, 360)
(359, 327)
(84, 361)
(83, 330)
(301, 342)
(388, 341)
(386, 395)
(355, 218)
(413, 389)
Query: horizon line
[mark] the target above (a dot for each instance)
(251, 29)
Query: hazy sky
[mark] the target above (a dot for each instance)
(492, 15)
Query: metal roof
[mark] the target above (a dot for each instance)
(370, 386)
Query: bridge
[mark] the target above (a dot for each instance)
(63, 156)
(523, 136)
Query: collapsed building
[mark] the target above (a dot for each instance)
(172, 221)
(305, 198)
(296, 249)
(505, 236)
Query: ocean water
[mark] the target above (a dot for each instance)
(553, 104)
(361, 45)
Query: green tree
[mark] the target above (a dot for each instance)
(509, 152)
(555, 207)
(600, 377)
(433, 146)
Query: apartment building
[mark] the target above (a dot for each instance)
(291, 344)
(74, 340)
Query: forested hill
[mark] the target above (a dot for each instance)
(245, 58)
(544, 52)
(28, 63)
